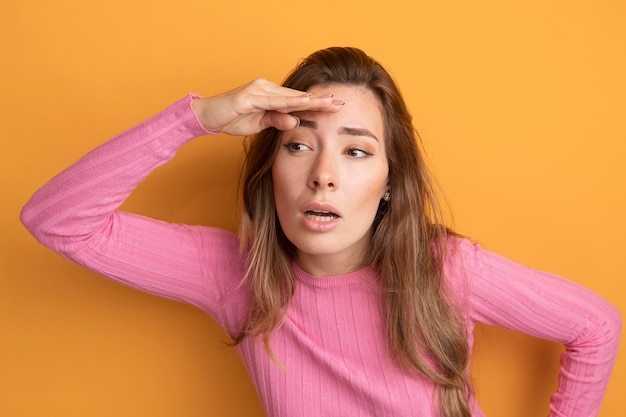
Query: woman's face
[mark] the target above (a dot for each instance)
(329, 176)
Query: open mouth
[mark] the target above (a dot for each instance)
(320, 215)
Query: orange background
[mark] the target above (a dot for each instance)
(521, 105)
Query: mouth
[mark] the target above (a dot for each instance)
(321, 215)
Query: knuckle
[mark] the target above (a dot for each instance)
(260, 81)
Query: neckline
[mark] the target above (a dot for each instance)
(364, 275)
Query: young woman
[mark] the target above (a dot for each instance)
(343, 291)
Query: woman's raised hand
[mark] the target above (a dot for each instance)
(255, 106)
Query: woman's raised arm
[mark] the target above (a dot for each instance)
(76, 213)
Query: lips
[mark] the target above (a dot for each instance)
(321, 212)
(320, 215)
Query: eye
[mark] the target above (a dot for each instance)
(296, 147)
(358, 153)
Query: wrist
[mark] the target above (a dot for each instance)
(198, 105)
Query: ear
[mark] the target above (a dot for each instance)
(386, 194)
(386, 190)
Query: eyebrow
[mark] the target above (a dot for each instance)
(352, 131)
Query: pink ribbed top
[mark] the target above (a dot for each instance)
(332, 345)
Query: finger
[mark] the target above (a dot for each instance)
(280, 121)
(318, 104)
(265, 87)
(280, 90)
(327, 104)
(284, 104)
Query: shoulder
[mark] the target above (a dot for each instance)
(467, 265)
(461, 253)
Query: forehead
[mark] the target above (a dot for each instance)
(344, 92)
(361, 109)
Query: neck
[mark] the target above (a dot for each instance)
(327, 265)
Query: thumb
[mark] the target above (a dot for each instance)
(281, 121)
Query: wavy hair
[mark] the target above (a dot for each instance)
(408, 241)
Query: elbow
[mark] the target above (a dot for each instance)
(28, 218)
(600, 333)
(615, 326)
(612, 333)
(608, 332)
(38, 223)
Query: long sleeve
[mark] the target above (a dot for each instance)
(506, 294)
(76, 214)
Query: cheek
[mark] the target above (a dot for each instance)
(366, 197)
(372, 184)
(288, 175)
(281, 184)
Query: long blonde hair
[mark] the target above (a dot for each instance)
(408, 242)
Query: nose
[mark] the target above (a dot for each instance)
(323, 172)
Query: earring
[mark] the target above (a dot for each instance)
(387, 196)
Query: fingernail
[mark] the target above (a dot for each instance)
(306, 95)
(297, 121)
(339, 103)
(329, 95)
